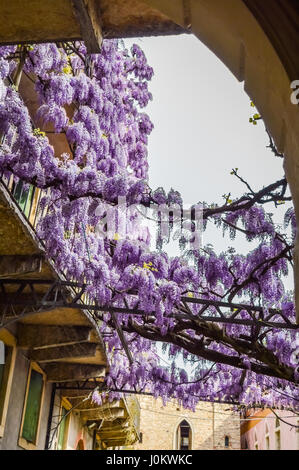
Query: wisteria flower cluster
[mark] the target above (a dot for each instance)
(92, 107)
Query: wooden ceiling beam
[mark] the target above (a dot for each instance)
(88, 19)
(40, 336)
(68, 372)
(106, 415)
(19, 264)
(71, 351)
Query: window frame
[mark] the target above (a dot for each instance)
(177, 435)
(277, 438)
(277, 434)
(256, 444)
(10, 341)
(267, 439)
(22, 442)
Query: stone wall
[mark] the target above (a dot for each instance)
(210, 423)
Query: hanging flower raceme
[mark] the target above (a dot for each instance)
(94, 107)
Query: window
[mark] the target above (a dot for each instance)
(277, 439)
(23, 194)
(256, 445)
(277, 434)
(8, 350)
(267, 439)
(184, 436)
(61, 433)
(226, 441)
(32, 408)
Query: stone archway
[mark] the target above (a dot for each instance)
(183, 423)
(242, 34)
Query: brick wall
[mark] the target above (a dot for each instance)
(210, 423)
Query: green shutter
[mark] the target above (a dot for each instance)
(4, 373)
(24, 197)
(33, 403)
(2, 389)
(62, 429)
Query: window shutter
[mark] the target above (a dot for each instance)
(33, 403)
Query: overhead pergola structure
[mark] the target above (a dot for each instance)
(28, 297)
(22, 298)
(29, 300)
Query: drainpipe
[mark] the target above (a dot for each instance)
(52, 401)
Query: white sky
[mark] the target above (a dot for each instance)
(202, 130)
(200, 112)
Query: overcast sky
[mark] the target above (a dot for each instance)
(202, 130)
(200, 112)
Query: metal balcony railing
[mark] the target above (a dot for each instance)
(26, 197)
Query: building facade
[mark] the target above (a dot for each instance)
(212, 426)
(37, 414)
(262, 430)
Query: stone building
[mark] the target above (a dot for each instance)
(212, 426)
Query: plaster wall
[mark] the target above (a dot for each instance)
(289, 437)
(9, 441)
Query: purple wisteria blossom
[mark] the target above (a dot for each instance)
(95, 105)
